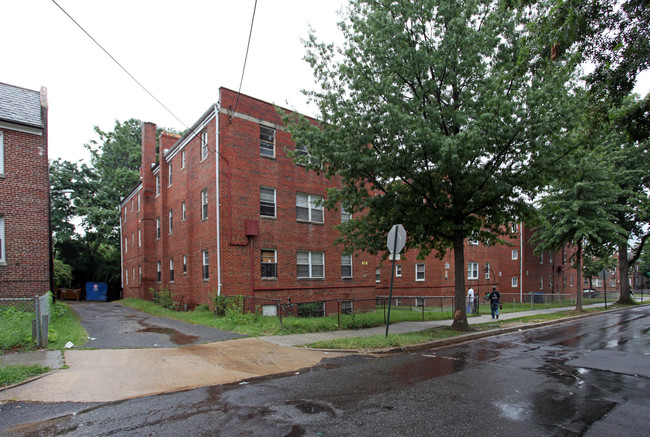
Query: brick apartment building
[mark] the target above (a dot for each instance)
(24, 193)
(224, 210)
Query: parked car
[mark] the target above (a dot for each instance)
(589, 293)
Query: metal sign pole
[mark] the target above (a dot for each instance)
(392, 275)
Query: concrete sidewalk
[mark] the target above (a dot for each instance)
(105, 375)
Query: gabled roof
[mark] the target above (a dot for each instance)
(20, 106)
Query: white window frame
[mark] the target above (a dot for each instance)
(171, 221)
(204, 145)
(472, 242)
(541, 258)
(515, 228)
(158, 272)
(267, 148)
(312, 204)
(185, 264)
(126, 245)
(183, 211)
(377, 274)
(420, 272)
(487, 270)
(182, 159)
(346, 263)
(139, 237)
(205, 257)
(398, 270)
(515, 254)
(309, 258)
(345, 215)
(171, 269)
(158, 232)
(157, 185)
(541, 282)
(138, 202)
(265, 201)
(262, 263)
(514, 282)
(139, 274)
(472, 270)
(169, 175)
(204, 204)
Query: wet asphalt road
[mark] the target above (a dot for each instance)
(589, 377)
(111, 325)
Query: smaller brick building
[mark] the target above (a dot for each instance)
(25, 264)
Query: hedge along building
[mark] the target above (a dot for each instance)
(223, 210)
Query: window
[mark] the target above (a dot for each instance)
(515, 254)
(206, 265)
(157, 228)
(541, 282)
(487, 270)
(472, 270)
(182, 159)
(157, 185)
(125, 210)
(204, 145)
(346, 266)
(267, 202)
(311, 264)
(398, 270)
(302, 150)
(346, 307)
(158, 272)
(541, 258)
(183, 211)
(126, 245)
(139, 274)
(309, 208)
(138, 202)
(170, 175)
(126, 276)
(2, 153)
(419, 272)
(377, 274)
(139, 238)
(514, 228)
(550, 281)
(184, 264)
(204, 204)
(345, 216)
(131, 205)
(267, 141)
(612, 282)
(171, 222)
(472, 242)
(171, 270)
(269, 264)
(515, 281)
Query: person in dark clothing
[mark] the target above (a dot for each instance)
(495, 300)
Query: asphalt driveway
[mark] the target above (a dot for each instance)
(111, 325)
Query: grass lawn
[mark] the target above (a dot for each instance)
(15, 374)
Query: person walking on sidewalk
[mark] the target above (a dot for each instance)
(495, 300)
(470, 300)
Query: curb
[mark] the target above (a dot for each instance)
(463, 338)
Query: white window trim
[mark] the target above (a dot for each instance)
(158, 272)
(487, 271)
(275, 204)
(205, 263)
(424, 272)
(171, 270)
(275, 261)
(347, 258)
(267, 142)
(515, 254)
(183, 211)
(311, 264)
(157, 185)
(514, 281)
(398, 270)
(171, 221)
(472, 274)
(204, 145)
(204, 203)
(169, 175)
(312, 205)
(182, 159)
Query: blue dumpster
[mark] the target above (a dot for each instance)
(96, 291)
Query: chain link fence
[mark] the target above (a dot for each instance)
(24, 322)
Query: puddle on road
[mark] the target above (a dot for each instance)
(175, 336)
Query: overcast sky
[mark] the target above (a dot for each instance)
(182, 51)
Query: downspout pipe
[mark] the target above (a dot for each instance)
(218, 198)
(521, 262)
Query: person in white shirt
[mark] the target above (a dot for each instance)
(470, 300)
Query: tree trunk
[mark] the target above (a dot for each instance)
(579, 278)
(460, 314)
(624, 274)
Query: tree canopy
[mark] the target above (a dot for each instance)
(443, 116)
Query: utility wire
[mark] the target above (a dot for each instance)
(245, 58)
(122, 67)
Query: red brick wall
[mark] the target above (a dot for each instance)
(24, 204)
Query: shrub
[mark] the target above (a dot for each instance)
(164, 298)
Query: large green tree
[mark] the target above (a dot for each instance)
(445, 116)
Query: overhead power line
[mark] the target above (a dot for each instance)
(250, 33)
(121, 66)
